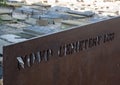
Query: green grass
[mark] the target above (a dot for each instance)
(3, 3)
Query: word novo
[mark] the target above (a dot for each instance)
(64, 50)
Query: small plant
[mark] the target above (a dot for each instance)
(2, 2)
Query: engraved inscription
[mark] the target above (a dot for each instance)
(38, 57)
(108, 37)
(20, 62)
(30, 59)
(63, 50)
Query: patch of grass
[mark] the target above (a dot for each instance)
(3, 3)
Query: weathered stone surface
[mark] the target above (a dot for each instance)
(74, 22)
(86, 13)
(6, 17)
(19, 16)
(42, 22)
(27, 10)
(61, 15)
(31, 21)
(3, 43)
(5, 10)
(42, 29)
(12, 38)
